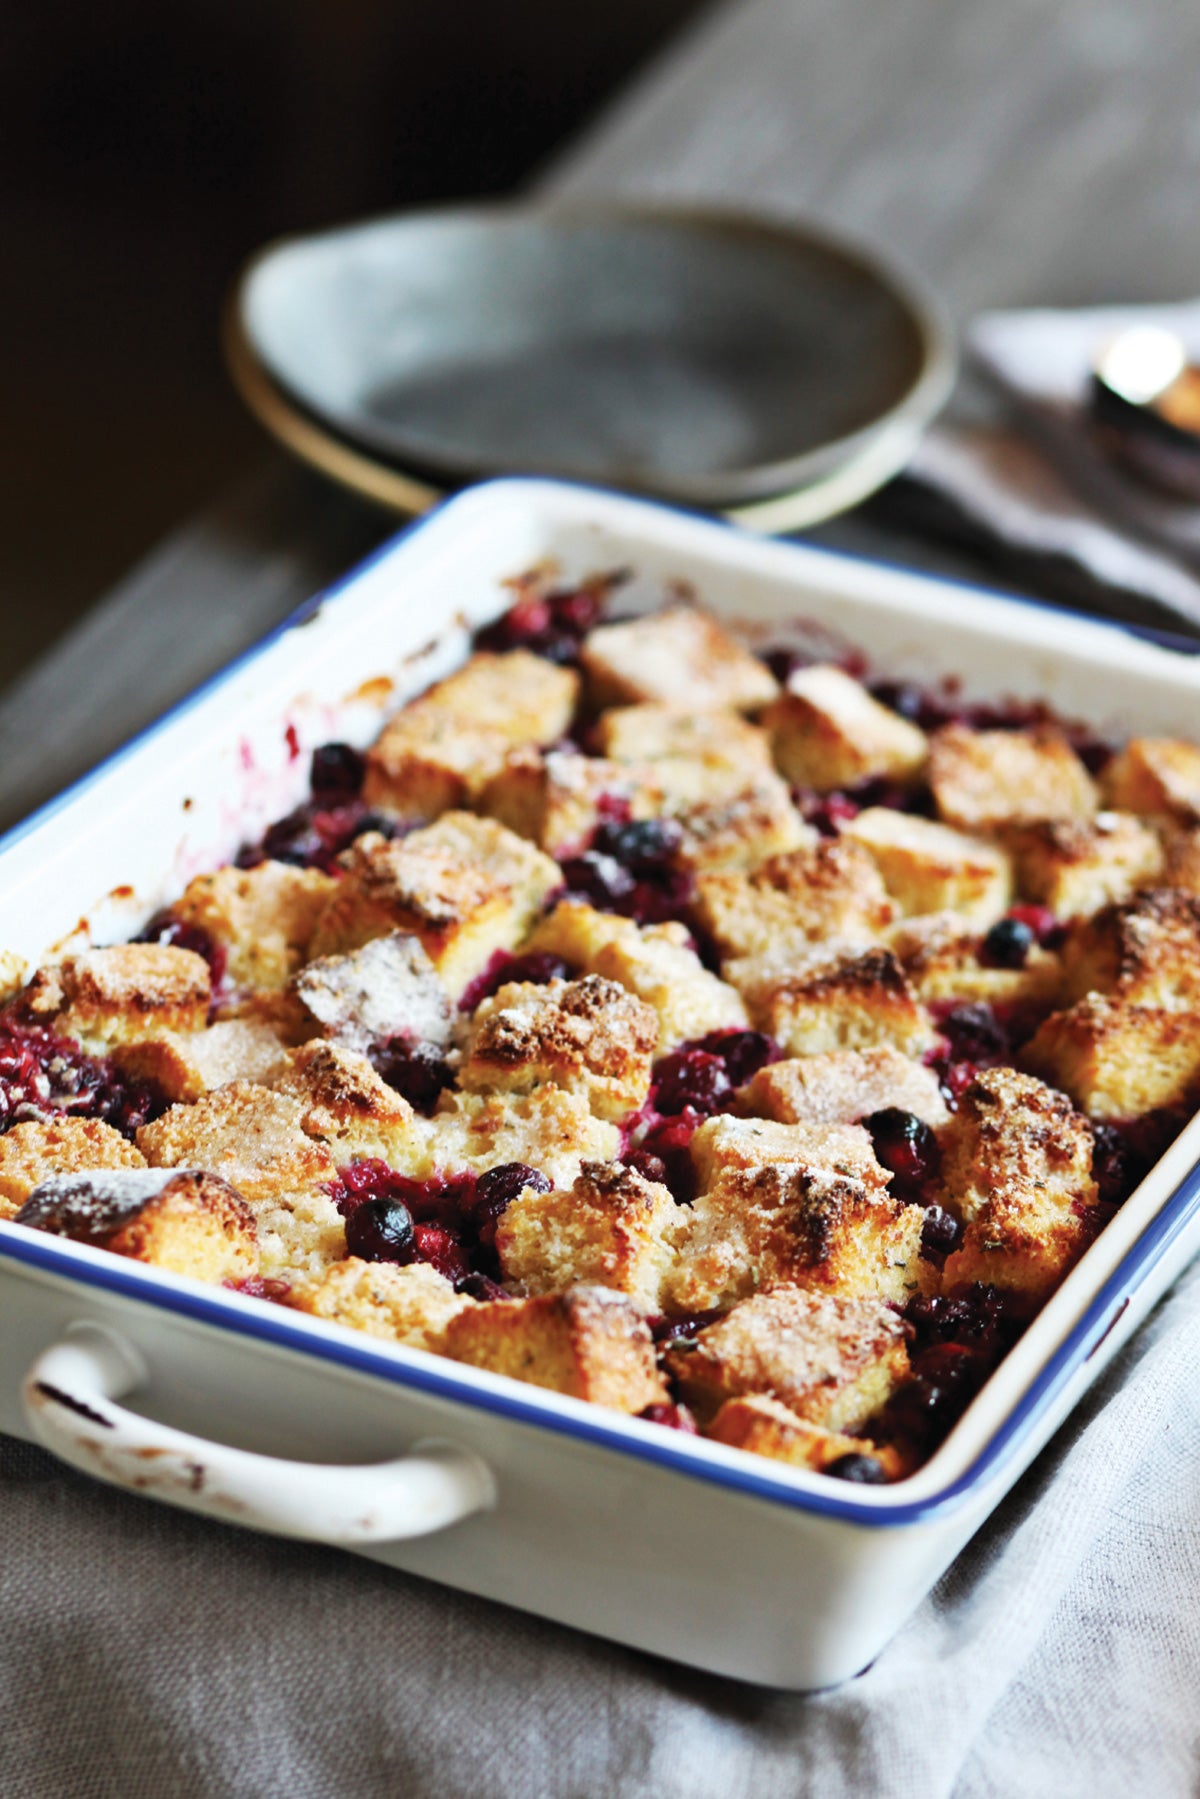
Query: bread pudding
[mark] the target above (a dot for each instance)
(715, 1034)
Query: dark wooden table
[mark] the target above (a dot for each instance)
(1010, 150)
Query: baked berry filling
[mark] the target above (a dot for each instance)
(447, 1220)
(43, 1076)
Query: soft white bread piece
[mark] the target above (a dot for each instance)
(1117, 1059)
(187, 1222)
(828, 732)
(1146, 952)
(556, 798)
(927, 867)
(1157, 777)
(832, 890)
(183, 1065)
(465, 886)
(983, 780)
(945, 959)
(387, 987)
(830, 1361)
(588, 1342)
(761, 1426)
(552, 1131)
(263, 918)
(679, 656)
(1075, 867)
(118, 995)
(13, 972)
(413, 1305)
(741, 824)
(790, 1205)
(350, 1109)
(656, 963)
(1017, 1170)
(439, 750)
(843, 1086)
(834, 998)
(34, 1151)
(612, 1228)
(695, 755)
(591, 1037)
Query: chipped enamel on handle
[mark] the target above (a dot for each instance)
(70, 1397)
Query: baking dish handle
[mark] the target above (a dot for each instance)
(70, 1396)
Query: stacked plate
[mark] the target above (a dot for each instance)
(738, 365)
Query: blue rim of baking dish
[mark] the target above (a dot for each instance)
(271, 1325)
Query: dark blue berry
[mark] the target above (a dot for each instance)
(642, 845)
(381, 1230)
(337, 768)
(863, 1470)
(1008, 943)
(904, 1144)
(940, 1232)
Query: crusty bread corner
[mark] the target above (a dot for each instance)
(412, 1305)
(189, 1222)
(591, 1036)
(837, 997)
(827, 732)
(33, 1151)
(680, 656)
(184, 1065)
(1157, 777)
(263, 918)
(927, 867)
(983, 780)
(589, 1343)
(795, 900)
(120, 994)
(612, 1228)
(843, 1086)
(1117, 1059)
(762, 1426)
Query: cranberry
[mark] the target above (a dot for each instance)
(480, 1286)
(673, 1333)
(954, 1078)
(553, 624)
(337, 768)
(673, 1417)
(644, 846)
(827, 810)
(43, 1076)
(538, 967)
(691, 1078)
(1008, 943)
(442, 1250)
(650, 1167)
(742, 1052)
(260, 1288)
(905, 1145)
(381, 1230)
(1041, 921)
(416, 1070)
(863, 1470)
(974, 1032)
(165, 928)
(667, 1143)
(655, 901)
(940, 1232)
(496, 1190)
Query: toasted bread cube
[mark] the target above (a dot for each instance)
(386, 988)
(249, 1135)
(786, 1205)
(465, 886)
(590, 1037)
(843, 1086)
(557, 798)
(263, 918)
(927, 867)
(982, 780)
(762, 1426)
(32, 1152)
(1157, 777)
(183, 1066)
(828, 732)
(1117, 1059)
(438, 752)
(1146, 952)
(121, 994)
(548, 1129)
(590, 1343)
(13, 972)
(945, 959)
(1181, 867)
(831, 1361)
(413, 1305)
(1017, 1169)
(696, 755)
(680, 657)
(350, 1109)
(611, 1229)
(834, 999)
(741, 826)
(834, 890)
(657, 964)
(190, 1223)
(1076, 868)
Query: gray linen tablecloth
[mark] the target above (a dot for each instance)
(1018, 153)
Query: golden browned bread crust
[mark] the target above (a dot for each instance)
(834, 999)
(1146, 952)
(184, 1065)
(556, 798)
(590, 1037)
(927, 867)
(249, 1135)
(120, 994)
(262, 917)
(547, 1129)
(612, 1228)
(695, 755)
(843, 1086)
(828, 732)
(982, 780)
(740, 825)
(350, 1109)
(189, 1223)
(679, 656)
(413, 1305)
(944, 958)
(761, 1425)
(588, 1342)
(1158, 777)
(1117, 1059)
(791, 901)
(829, 1360)
(1076, 866)
(33, 1151)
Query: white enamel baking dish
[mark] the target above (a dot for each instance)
(260, 1416)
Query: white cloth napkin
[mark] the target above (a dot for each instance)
(1041, 485)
